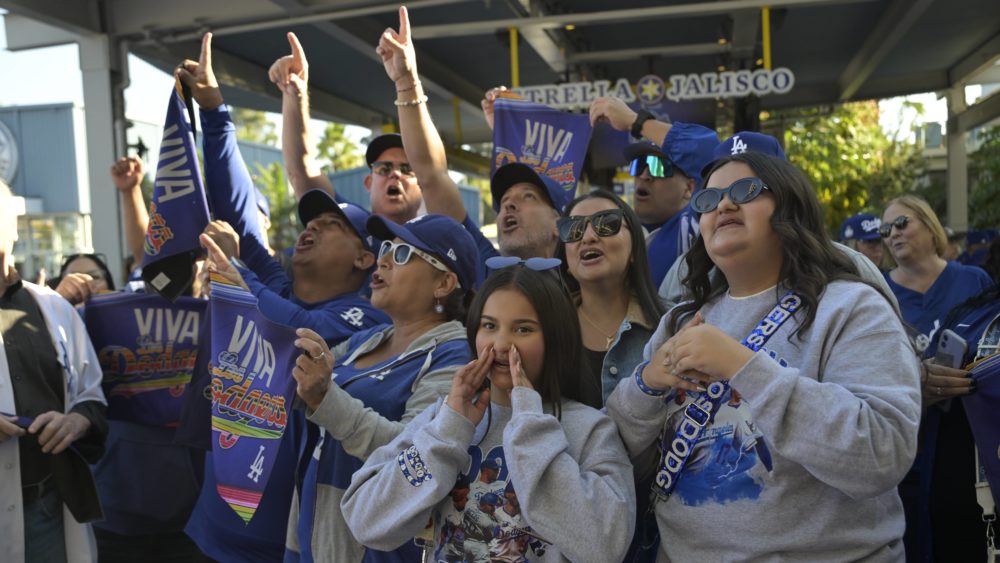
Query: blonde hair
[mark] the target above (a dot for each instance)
(922, 210)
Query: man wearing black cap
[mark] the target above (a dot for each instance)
(526, 220)
(333, 255)
(392, 185)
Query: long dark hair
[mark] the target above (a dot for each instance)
(638, 279)
(809, 259)
(98, 259)
(560, 327)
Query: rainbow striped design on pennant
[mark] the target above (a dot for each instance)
(242, 429)
(242, 501)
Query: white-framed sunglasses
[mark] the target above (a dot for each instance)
(401, 253)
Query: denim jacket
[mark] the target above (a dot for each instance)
(625, 352)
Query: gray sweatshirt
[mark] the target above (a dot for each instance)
(523, 486)
(802, 462)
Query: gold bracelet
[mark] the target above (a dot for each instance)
(413, 87)
(411, 103)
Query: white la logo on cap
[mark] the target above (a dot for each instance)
(738, 146)
(451, 254)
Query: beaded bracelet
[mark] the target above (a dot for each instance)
(411, 103)
(642, 384)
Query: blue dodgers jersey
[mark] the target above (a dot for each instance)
(671, 240)
(925, 312)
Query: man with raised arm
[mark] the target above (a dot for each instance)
(330, 265)
(391, 184)
(526, 220)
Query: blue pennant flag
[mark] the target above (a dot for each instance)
(984, 418)
(552, 142)
(252, 390)
(179, 211)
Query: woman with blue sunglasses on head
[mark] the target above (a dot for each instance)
(928, 287)
(778, 409)
(505, 467)
(381, 377)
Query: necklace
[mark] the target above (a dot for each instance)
(609, 338)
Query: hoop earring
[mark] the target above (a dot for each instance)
(438, 307)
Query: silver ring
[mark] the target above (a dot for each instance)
(319, 357)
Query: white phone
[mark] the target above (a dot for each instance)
(951, 350)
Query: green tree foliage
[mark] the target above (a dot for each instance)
(272, 183)
(984, 181)
(338, 150)
(851, 162)
(253, 126)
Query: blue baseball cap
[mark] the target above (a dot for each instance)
(491, 499)
(381, 144)
(517, 173)
(687, 145)
(436, 234)
(746, 141)
(860, 227)
(316, 202)
(984, 236)
(263, 204)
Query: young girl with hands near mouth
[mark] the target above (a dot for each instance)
(510, 471)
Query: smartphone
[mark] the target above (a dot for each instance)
(951, 350)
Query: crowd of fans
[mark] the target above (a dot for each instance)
(702, 374)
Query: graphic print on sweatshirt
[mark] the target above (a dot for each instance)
(482, 522)
(731, 457)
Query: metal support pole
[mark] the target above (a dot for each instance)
(515, 68)
(958, 163)
(765, 26)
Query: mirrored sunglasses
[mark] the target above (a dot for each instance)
(605, 223)
(536, 264)
(658, 167)
(899, 222)
(739, 192)
(401, 253)
(385, 168)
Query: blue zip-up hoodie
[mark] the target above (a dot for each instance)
(365, 409)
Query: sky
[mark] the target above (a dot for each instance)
(146, 97)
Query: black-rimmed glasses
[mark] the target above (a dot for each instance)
(385, 168)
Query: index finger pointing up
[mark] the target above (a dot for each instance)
(404, 25)
(206, 51)
(298, 54)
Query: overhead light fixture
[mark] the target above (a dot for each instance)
(722, 68)
(723, 41)
(760, 62)
(570, 27)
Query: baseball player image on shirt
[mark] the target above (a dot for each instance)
(515, 539)
(451, 541)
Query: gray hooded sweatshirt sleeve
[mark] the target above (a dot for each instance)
(572, 478)
(821, 428)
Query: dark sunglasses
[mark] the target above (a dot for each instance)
(605, 223)
(401, 253)
(536, 264)
(658, 167)
(385, 168)
(899, 222)
(739, 192)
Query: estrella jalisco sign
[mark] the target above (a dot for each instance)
(651, 89)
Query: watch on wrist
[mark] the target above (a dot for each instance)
(642, 117)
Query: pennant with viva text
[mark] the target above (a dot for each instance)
(147, 348)
(552, 142)
(252, 391)
(178, 212)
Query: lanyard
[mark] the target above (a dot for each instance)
(674, 453)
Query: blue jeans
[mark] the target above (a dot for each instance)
(44, 539)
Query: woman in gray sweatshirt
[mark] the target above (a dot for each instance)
(778, 409)
(506, 470)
